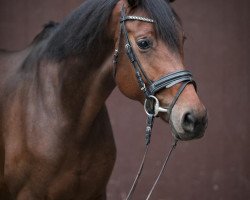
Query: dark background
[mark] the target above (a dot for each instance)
(216, 167)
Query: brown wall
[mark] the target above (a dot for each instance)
(216, 167)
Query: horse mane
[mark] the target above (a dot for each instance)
(85, 27)
(168, 23)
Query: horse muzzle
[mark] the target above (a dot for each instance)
(190, 125)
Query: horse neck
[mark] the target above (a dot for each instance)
(81, 83)
(83, 60)
(86, 83)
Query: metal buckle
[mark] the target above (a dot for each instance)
(152, 106)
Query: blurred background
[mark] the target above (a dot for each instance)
(216, 167)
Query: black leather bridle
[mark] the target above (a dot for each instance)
(150, 88)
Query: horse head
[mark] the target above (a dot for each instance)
(149, 65)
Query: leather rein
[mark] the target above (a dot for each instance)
(150, 88)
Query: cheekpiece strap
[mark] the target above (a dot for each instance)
(140, 74)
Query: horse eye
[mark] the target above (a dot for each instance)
(144, 44)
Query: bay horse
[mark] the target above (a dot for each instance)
(56, 140)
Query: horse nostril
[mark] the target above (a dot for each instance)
(189, 122)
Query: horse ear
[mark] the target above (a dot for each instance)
(133, 3)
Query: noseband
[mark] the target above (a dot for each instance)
(150, 88)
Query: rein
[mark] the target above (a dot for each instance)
(150, 88)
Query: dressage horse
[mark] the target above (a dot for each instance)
(56, 140)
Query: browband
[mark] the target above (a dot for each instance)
(137, 18)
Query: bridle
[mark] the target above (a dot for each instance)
(150, 88)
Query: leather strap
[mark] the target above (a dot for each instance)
(137, 18)
(171, 80)
(149, 89)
